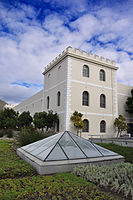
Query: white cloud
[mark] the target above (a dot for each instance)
(29, 46)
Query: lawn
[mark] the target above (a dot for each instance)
(18, 180)
(127, 152)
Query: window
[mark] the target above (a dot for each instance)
(102, 75)
(85, 71)
(85, 98)
(86, 126)
(102, 126)
(102, 101)
(58, 125)
(58, 99)
(48, 102)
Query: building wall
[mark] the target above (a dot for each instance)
(55, 80)
(64, 75)
(32, 104)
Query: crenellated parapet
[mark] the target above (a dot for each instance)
(81, 55)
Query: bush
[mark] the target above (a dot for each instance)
(9, 133)
(30, 135)
(2, 133)
(119, 177)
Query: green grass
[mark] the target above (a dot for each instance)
(127, 152)
(18, 180)
(10, 164)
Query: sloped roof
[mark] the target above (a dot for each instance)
(65, 146)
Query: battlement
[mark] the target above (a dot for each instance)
(81, 54)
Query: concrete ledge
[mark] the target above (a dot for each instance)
(51, 167)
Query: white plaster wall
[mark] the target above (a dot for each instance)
(32, 104)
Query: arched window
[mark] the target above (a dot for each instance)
(48, 102)
(85, 71)
(102, 101)
(102, 75)
(86, 126)
(102, 126)
(58, 99)
(85, 98)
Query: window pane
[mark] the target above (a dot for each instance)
(57, 154)
(85, 71)
(86, 126)
(102, 126)
(85, 98)
(102, 75)
(70, 147)
(102, 101)
(86, 147)
(104, 151)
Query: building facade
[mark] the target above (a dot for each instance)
(79, 81)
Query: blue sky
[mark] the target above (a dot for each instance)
(33, 32)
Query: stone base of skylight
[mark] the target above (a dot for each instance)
(51, 167)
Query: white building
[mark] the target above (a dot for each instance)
(79, 81)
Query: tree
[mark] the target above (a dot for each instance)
(8, 118)
(129, 103)
(77, 121)
(120, 124)
(24, 119)
(51, 119)
(39, 120)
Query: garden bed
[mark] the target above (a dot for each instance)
(18, 180)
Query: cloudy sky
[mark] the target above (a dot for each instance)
(33, 32)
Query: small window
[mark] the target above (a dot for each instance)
(85, 71)
(102, 101)
(58, 125)
(85, 98)
(86, 126)
(48, 102)
(102, 126)
(58, 99)
(102, 75)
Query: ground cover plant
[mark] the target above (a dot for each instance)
(127, 152)
(11, 165)
(18, 180)
(56, 187)
(118, 177)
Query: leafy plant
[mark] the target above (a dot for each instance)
(30, 135)
(119, 177)
(120, 124)
(24, 119)
(77, 120)
(129, 103)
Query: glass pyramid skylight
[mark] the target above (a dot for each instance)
(65, 146)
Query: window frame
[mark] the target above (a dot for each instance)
(48, 102)
(102, 101)
(58, 98)
(102, 75)
(85, 99)
(102, 126)
(85, 71)
(86, 129)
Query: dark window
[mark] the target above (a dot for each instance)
(85, 71)
(102, 126)
(58, 125)
(86, 126)
(85, 98)
(102, 75)
(48, 102)
(102, 101)
(58, 99)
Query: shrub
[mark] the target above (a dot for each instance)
(30, 135)
(119, 177)
(9, 133)
(2, 132)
